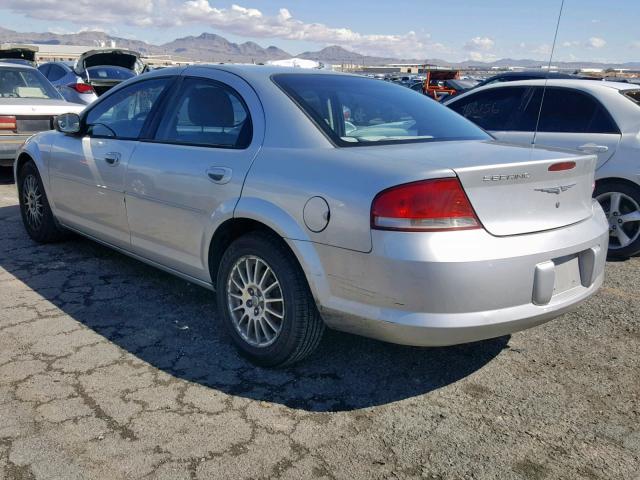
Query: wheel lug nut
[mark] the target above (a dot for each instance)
(256, 311)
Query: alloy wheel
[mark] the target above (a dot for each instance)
(623, 214)
(255, 301)
(32, 201)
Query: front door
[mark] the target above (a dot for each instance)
(191, 171)
(87, 172)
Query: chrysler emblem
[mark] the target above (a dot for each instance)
(557, 190)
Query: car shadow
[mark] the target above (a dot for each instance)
(170, 324)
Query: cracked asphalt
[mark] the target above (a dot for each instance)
(110, 369)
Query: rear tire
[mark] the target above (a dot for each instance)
(35, 210)
(265, 303)
(621, 203)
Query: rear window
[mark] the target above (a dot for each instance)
(357, 111)
(110, 73)
(25, 83)
(633, 95)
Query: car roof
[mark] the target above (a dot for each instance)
(577, 84)
(264, 72)
(16, 65)
(567, 82)
(540, 73)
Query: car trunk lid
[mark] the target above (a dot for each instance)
(530, 196)
(113, 56)
(14, 51)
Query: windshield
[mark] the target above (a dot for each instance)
(355, 111)
(110, 73)
(25, 83)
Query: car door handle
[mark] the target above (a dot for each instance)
(593, 148)
(219, 175)
(112, 158)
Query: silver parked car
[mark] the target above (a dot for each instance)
(28, 104)
(596, 117)
(405, 222)
(71, 85)
(94, 73)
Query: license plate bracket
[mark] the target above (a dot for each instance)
(567, 273)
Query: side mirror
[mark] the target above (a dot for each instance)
(68, 123)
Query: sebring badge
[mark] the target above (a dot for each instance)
(557, 190)
(500, 178)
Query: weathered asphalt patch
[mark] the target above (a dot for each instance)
(110, 369)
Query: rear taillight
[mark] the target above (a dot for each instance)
(81, 87)
(425, 206)
(8, 123)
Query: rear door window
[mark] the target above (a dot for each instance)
(206, 113)
(570, 111)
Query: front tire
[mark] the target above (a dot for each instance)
(264, 301)
(35, 210)
(621, 203)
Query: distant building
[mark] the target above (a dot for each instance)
(60, 53)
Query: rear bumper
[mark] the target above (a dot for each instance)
(9, 145)
(447, 288)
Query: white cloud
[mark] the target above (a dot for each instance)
(482, 57)
(635, 45)
(108, 12)
(571, 43)
(236, 19)
(252, 22)
(479, 44)
(596, 42)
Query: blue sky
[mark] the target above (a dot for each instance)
(458, 30)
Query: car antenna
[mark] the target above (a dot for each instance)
(544, 89)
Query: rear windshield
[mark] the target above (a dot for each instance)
(110, 73)
(25, 83)
(357, 111)
(633, 95)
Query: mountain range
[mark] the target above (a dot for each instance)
(209, 47)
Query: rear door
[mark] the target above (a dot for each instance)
(576, 120)
(87, 172)
(191, 171)
(504, 112)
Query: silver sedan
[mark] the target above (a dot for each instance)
(313, 199)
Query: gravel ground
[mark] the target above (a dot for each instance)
(111, 369)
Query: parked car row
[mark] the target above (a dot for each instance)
(400, 220)
(95, 72)
(31, 98)
(82, 81)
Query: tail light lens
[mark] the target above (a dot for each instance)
(8, 123)
(425, 206)
(81, 87)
